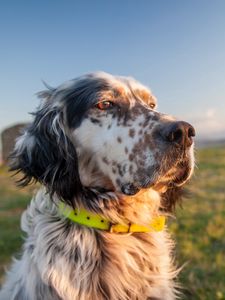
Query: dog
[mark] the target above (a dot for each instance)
(103, 154)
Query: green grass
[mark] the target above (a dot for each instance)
(199, 228)
(13, 201)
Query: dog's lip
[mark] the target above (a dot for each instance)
(160, 183)
(129, 189)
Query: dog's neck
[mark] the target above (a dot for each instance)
(120, 209)
(113, 205)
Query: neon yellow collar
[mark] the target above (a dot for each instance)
(92, 220)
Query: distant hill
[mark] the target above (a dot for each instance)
(204, 143)
(7, 140)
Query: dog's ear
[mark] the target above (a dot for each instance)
(172, 197)
(44, 153)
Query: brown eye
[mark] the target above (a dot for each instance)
(152, 105)
(104, 105)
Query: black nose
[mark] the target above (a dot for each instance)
(179, 132)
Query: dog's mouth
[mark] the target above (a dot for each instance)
(176, 176)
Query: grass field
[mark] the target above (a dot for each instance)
(198, 229)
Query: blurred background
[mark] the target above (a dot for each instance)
(177, 48)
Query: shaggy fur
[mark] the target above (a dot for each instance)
(97, 142)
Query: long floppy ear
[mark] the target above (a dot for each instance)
(172, 197)
(45, 154)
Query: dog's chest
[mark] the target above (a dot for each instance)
(130, 265)
(111, 266)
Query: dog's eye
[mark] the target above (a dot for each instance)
(104, 105)
(152, 105)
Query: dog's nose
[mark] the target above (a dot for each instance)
(180, 133)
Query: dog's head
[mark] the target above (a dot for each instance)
(102, 132)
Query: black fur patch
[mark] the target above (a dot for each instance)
(51, 158)
(81, 97)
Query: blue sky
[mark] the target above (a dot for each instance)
(175, 47)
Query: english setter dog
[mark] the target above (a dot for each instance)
(109, 165)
